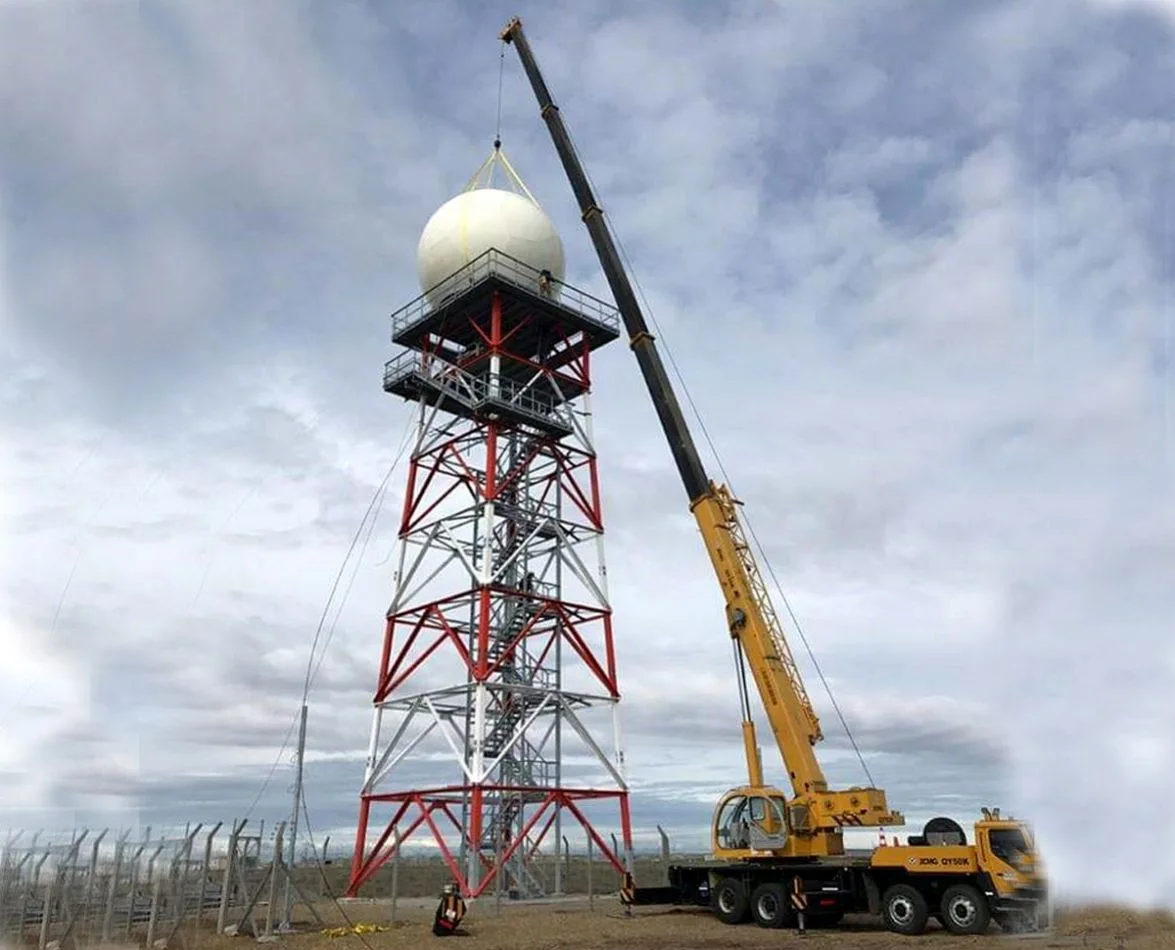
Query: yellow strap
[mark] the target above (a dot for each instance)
(485, 171)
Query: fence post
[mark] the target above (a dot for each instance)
(74, 850)
(560, 884)
(91, 881)
(227, 881)
(278, 843)
(205, 877)
(39, 864)
(153, 920)
(25, 890)
(47, 912)
(498, 852)
(395, 869)
(664, 852)
(590, 889)
(136, 870)
(180, 880)
(67, 881)
(5, 876)
(112, 889)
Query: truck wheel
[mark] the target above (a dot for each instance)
(964, 910)
(730, 901)
(904, 910)
(769, 906)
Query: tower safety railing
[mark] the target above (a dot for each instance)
(495, 263)
(476, 393)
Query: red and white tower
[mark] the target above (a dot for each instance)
(497, 668)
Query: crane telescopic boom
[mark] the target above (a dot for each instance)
(816, 814)
(685, 453)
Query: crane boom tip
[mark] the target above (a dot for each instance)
(507, 33)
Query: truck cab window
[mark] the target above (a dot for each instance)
(1007, 843)
(733, 826)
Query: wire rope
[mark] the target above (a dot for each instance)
(722, 468)
(311, 667)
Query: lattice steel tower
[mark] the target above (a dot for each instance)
(498, 644)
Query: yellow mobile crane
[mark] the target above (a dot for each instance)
(774, 854)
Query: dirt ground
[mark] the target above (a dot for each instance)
(572, 923)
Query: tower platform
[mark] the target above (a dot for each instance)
(541, 331)
(534, 324)
(416, 376)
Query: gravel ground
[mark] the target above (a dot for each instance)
(569, 922)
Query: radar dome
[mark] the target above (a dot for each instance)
(473, 222)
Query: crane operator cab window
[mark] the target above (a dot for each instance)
(752, 821)
(1010, 845)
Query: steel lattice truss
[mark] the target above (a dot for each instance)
(498, 640)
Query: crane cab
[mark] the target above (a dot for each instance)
(1006, 849)
(750, 822)
(1006, 852)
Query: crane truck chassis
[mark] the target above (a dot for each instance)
(937, 875)
(775, 858)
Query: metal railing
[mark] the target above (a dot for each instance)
(513, 271)
(475, 392)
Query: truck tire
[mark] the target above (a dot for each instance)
(904, 910)
(964, 910)
(769, 906)
(729, 900)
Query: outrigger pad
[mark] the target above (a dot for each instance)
(654, 895)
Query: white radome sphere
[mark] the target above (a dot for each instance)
(468, 225)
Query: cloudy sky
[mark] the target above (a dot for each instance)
(913, 260)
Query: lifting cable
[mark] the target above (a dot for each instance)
(501, 73)
(726, 478)
(484, 176)
(373, 511)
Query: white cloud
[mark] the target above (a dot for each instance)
(1159, 6)
(39, 692)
